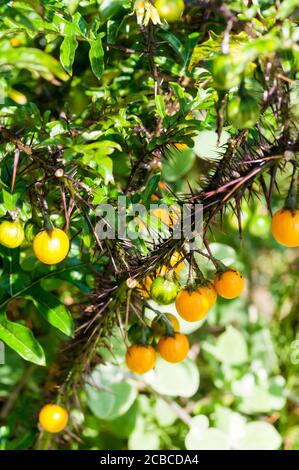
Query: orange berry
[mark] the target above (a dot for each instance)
(229, 284)
(160, 328)
(53, 418)
(210, 291)
(140, 359)
(51, 247)
(192, 305)
(285, 227)
(174, 348)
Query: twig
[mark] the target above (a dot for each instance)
(9, 404)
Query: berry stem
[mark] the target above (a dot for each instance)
(163, 316)
(291, 201)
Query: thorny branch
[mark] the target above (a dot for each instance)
(242, 163)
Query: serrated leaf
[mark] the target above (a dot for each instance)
(52, 309)
(21, 339)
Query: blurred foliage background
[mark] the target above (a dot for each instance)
(79, 86)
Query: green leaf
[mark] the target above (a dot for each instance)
(109, 8)
(67, 52)
(174, 379)
(262, 348)
(15, 283)
(260, 436)
(160, 106)
(21, 339)
(111, 396)
(224, 253)
(150, 188)
(177, 164)
(34, 60)
(206, 145)
(175, 43)
(201, 437)
(213, 44)
(96, 55)
(232, 347)
(213, 439)
(52, 309)
(231, 423)
(124, 425)
(12, 278)
(191, 42)
(286, 8)
(57, 128)
(72, 5)
(165, 415)
(10, 200)
(259, 397)
(106, 169)
(169, 65)
(145, 435)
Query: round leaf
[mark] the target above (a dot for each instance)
(212, 439)
(232, 347)
(174, 379)
(260, 436)
(206, 144)
(164, 413)
(144, 436)
(111, 396)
